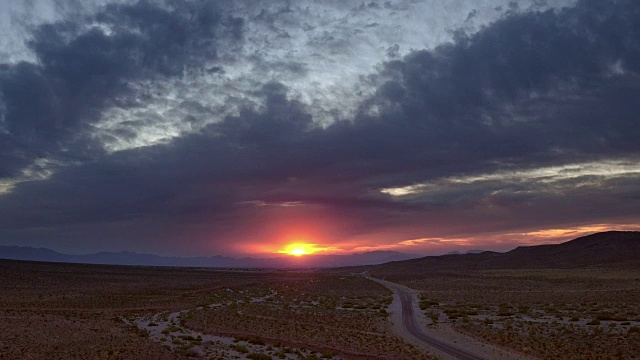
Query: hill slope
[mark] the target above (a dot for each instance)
(607, 249)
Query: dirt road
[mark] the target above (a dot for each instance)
(410, 324)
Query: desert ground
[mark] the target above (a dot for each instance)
(74, 311)
(71, 311)
(545, 313)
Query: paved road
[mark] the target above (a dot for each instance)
(410, 323)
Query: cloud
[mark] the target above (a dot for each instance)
(527, 123)
(536, 86)
(87, 65)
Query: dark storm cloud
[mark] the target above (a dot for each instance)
(86, 65)
(132, 183)
(527, 87)
(534, 89)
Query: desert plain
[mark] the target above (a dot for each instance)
(525, 309)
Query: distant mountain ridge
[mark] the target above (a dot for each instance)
(605, 249)
(612, 248)
(132, 258)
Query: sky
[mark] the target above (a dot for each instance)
(201, 127)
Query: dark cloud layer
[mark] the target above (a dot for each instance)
(535, 89)
(48, 107)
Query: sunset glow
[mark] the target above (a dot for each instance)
(301, 249)
(298, 249)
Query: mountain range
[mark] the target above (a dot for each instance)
(612, 248)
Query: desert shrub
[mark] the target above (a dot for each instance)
(174, 328)
(434, 317)
(187, 337)
(185, 347)
(453, 315)
(604, 317)
(239, 348)
(259, 356)
(594, 322)
(426, 303)
(255, 340)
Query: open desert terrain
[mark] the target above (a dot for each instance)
(531, 302)
(478, 306)
(550, 314)
(71, 311)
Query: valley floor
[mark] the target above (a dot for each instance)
(72, 311)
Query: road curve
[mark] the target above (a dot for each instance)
(410, 323)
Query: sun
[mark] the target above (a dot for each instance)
(299, 249)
